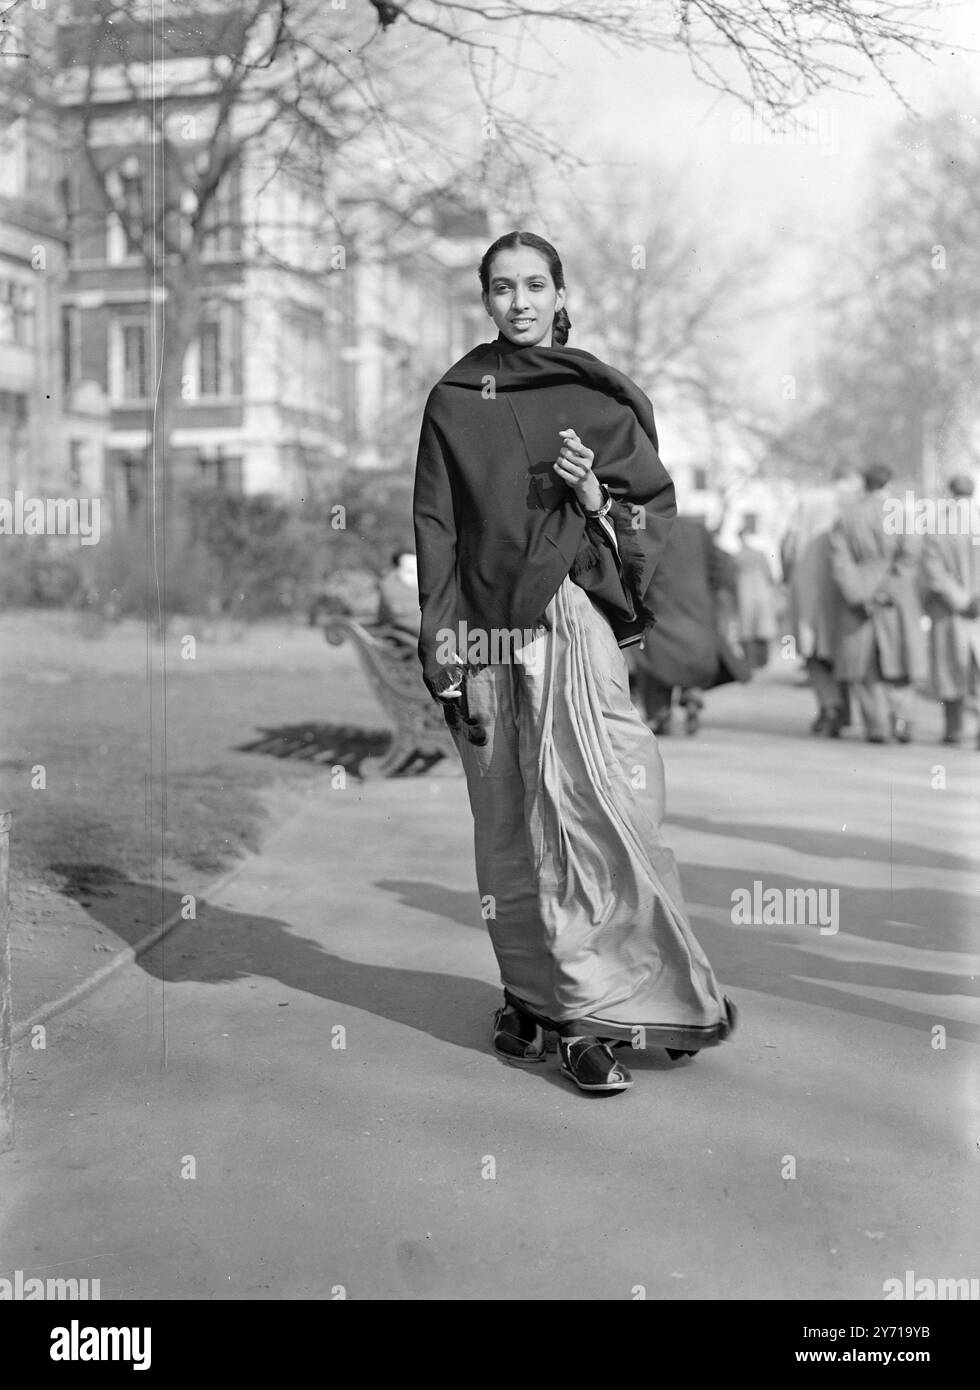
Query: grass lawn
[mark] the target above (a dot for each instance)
(146, 780)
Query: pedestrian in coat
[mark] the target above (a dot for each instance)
(694, 591)
(758, 598)
(880, 645)
(815, 600)
(950, 588)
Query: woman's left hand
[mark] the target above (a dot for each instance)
(574, 466)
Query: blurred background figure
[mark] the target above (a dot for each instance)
(693, 646)
(398, 599)
(758, 595)
(814, 597)
(880, 646)
(950, 588)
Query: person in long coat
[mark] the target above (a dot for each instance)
(815, 600)
(950, 587)
(758, 598)
(880, 644)
(694, 587)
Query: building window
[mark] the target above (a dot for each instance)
(76, 455)
(14, 151)
(222, 473)
(700, 480)
(16, 313)
(134, 376)
(220, 222)
(209, 360)
(13, 438)
(131, 202)
(71, 345)
(124, 224)
(132, 470)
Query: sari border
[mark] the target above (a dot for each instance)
(676, 1036)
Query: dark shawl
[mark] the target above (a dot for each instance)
(496, 530)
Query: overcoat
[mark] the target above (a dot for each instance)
(758, 608)
(815, 599)
(949, 579)
(875, 571)
(686, 647)
(496, 529)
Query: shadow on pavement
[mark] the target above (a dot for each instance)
(831, 844)
(774, 959)
(221, 946)
(344, 744)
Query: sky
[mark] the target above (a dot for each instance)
(785, 199)
(650, 106)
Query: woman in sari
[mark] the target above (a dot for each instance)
(541, 508)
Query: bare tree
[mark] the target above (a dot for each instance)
(381, 105)
(898, 367)
(672, 309)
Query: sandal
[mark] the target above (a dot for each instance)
(515, 1037)
(589, 1062)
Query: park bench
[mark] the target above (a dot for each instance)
(390, 662)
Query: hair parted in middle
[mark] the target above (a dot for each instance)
(510, 241)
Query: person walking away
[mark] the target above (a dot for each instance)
(950, 588)
(686, 648)
(757, 596)
(880, 647)
(815, 599)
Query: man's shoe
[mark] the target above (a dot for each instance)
(834, 723)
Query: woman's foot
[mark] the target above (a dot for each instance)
(589, 1062)
(515, 1037)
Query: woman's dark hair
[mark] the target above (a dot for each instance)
(510, 241)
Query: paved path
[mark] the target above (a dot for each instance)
(317, 1057)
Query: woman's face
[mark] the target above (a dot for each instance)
(523, 300)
